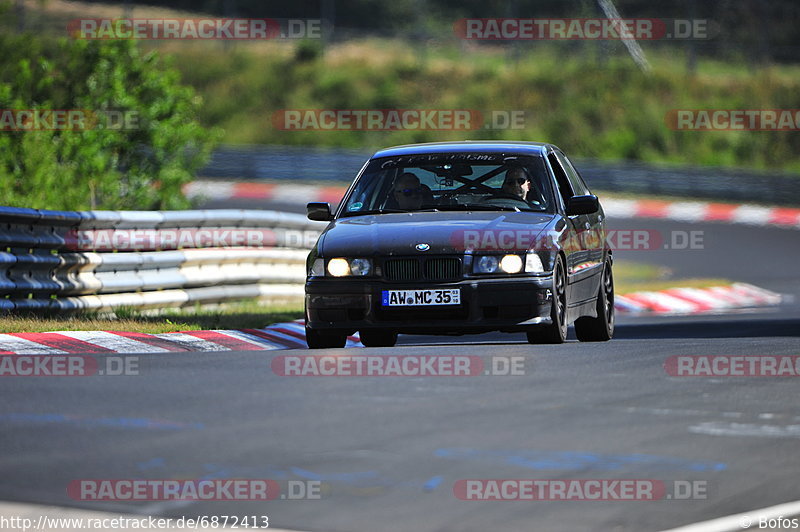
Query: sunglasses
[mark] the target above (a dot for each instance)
(520, 180)
(408, 192)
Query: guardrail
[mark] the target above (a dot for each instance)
(104, 260)
(300, 163)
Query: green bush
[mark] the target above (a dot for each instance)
(139, 164)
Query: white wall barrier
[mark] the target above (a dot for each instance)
(102, 260)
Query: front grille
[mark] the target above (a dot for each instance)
(439, 269)
(402, 270)
(435, 268)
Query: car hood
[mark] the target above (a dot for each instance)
(444, 232)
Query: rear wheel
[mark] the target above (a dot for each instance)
(556, 332)
(378, 338)
(601, 328)
(325, 339)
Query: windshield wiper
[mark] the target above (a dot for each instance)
(373, 211)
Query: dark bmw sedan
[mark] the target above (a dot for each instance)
(461, 237)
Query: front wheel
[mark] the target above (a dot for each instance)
(325, 339)
(601, 328)
(556, 332)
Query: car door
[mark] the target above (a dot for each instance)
(592, 229)
(578, 289)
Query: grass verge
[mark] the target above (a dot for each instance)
(637, 277)
(242, 315)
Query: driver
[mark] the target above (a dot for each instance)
(408, 192)
(517, 183)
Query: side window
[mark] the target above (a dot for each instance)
(562, 180)
(574, 177)
(370, 192)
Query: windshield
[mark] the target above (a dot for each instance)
(462, 181)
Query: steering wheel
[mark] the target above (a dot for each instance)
(503, 198)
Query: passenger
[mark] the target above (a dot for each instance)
(427, 196)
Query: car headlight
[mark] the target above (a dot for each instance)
(317, 268)
(510, 263)
(360, 267)
(533, 263)
(486, 264)
(340, 267)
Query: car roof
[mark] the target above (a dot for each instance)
(465, 146)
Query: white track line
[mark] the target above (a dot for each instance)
(737, 522)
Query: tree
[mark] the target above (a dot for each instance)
(139, 141)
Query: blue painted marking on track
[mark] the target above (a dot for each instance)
(529, 459)
(347, 478)
(532, 459)
(116, 422)
(153, 463)
(358, 478)
(432, 483)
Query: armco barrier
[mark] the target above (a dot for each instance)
(308, 163)
(51, 260)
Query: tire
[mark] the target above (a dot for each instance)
(378, 338)
(556, 332)
(325, 339)
(601, 328)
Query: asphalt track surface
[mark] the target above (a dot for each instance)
(388, 450)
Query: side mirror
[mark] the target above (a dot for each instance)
(588, 204)
(320, 212)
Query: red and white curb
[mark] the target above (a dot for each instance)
(717, 299)
(280, 192)
(698, 211)
(683, 211)
(291, 335)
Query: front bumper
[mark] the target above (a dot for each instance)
(487, 304)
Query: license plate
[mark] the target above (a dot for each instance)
(421, 298)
